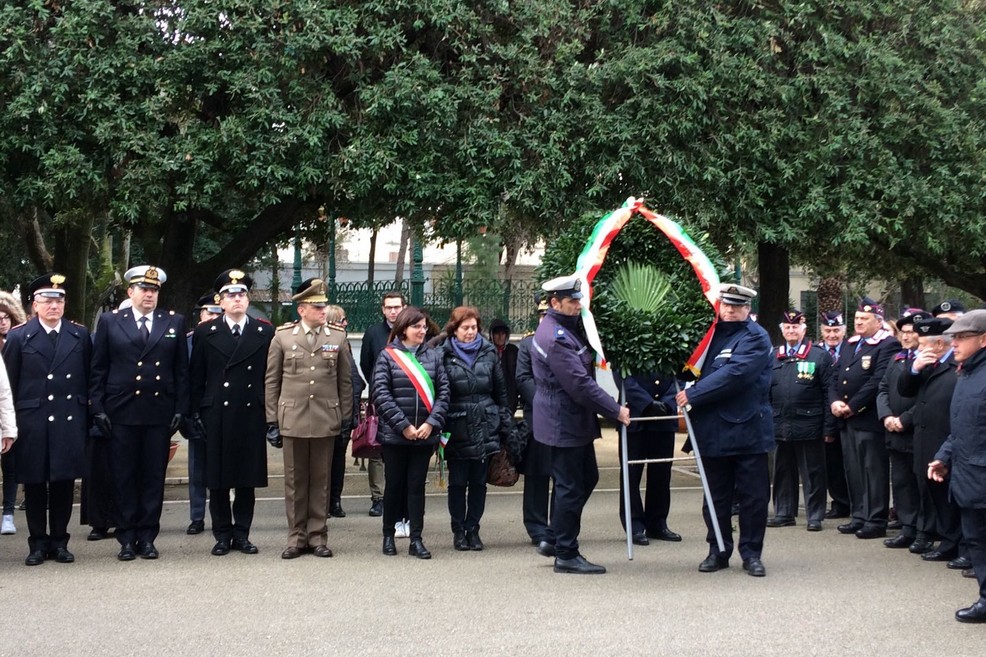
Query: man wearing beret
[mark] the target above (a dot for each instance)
(732, 420)
(229, 361)
(47, 361)
(960, 461)
(566, 402)
(931, 381)
(138, 394)
(799, 388)
(951, 309)
(896, 411)
(833, 328)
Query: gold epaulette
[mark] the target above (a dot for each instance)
(338, 327)
(286, 326)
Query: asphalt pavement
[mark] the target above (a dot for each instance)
(824, 594)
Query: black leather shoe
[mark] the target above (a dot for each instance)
(147, 551)
(336, 511)
(754, 567)
(850, 527)
(832, 514)
(127, 552)
(780, 522)
(291, 552)
(578, 566)
(640, 539)
(974, 614)
(475, 543)
(712, 564)
(814, 525)
(959, 563)
(459, 542)
(664, 534)
(938, 555)
(322, 551)
(389, 546)
(97, 534)
(418, 549)
(921, 546)
(899, 542)
(244, 545)
(376, 509)
(871, 532)
(35, 558)
(195, 527)
(221, 548)
(61, 555)
(969, 572)
(546, 549)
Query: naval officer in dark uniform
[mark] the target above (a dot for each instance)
(47, 361)
(138, 392)
(566, 403)
(229, 362)
(733, 424)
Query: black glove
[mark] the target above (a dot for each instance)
(198, 427)
(175, 423)
(274, 435)
(658, 408)
(102, 422)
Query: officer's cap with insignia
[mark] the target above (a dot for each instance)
(911, 315)
(868, 305)
(208, 302)
(563, 286)
(792, 316)
(233, 280)
(932, 326)
(736, 295)
(49, 286)
(950, 306)
(145, 276)
(312, 291)
(833, 318)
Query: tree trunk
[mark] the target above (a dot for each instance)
(511, 251)
(831, 294)
(402, 253)
(912, 291)
(370, 266)
(774, 266)
(71, 259)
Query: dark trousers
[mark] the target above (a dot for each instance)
(337, 474)
(466, 493)
(231, 521)
(139, 460)
(98, 509)
(868, 474)
(405, 471)
(835, 477)
(651, 513)
(48, 507)
(903, 483)
(947, 519)
(576, 474)
(746, 476)
(9, 483)
(974, 535)
(539, 506)
(807, 459)
(196, 480)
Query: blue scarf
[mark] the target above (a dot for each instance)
(467, 351)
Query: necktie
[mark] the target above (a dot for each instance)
(53, 335)
(311, 337)
(790, 352)
(236, 330)
(144, 331)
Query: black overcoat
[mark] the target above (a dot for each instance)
(932, 390)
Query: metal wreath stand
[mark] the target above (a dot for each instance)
(625, 469)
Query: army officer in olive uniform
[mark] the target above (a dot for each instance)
(309, 399)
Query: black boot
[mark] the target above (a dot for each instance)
(418, 549)
(472, 538)
(389, 546)
(459, 541)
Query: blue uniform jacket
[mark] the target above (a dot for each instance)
(964, 451)
(731, 412)
(567, 397)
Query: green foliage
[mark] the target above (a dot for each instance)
(643, 288)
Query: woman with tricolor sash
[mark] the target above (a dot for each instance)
(411, 395)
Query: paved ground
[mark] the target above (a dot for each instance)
(825, 594)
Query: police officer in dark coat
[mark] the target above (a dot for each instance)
(536, 464)
(47, 361)
(801, 377)
(896, 412)
(931, 381)
(962, 458)
(229, 362)
(833, 328)
(863, 362)
(566, 403)
(733, 424)
(138, 393)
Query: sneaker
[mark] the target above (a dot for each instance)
(402, 529)
(8, 525)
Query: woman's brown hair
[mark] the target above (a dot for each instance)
(461, 314)
(408, 318)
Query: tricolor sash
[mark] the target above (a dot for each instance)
(420, 379)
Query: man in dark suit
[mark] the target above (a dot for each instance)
(507, 353)
(833, 328)
(48, 363)
(138, 395)
(863, 362)
(229, 361)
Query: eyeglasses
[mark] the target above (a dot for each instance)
(4, 318)
(965, 336)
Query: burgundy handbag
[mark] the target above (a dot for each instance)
(365, 444)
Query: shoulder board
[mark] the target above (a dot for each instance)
(559, 334)
(338, 327)
(76, 323)
(171, 312)
(116, 310)
(528, 334)
(286, 326)
(263, 321)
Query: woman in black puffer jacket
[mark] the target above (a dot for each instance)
(477, 407)
(411, 393)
